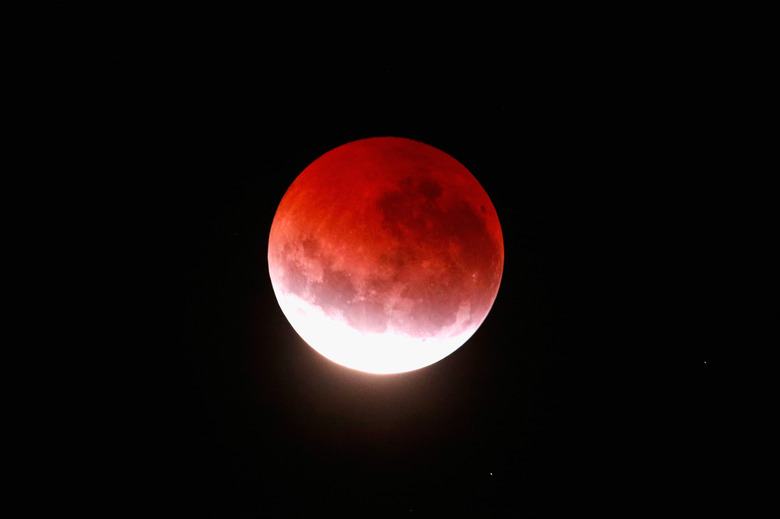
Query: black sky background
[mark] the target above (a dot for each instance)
(580, 391)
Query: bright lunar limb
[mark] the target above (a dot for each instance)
(385, 255)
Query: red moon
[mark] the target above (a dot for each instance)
(385, 255)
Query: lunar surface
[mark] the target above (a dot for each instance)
(385, 255)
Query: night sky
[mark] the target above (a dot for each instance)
(578, 392)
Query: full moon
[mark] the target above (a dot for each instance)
(385, 255)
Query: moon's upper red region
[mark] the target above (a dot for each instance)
(385, 254)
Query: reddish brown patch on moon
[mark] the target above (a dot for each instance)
(389, 233)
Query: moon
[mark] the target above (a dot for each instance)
(385, 255)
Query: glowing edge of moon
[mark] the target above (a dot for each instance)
(379, 353)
